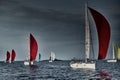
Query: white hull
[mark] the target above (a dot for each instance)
(7, 62)
(50, 61)
(83, 65)
(28, 62)
(113, 60)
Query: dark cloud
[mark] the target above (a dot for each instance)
(57, 25)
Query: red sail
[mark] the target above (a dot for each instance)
(7, 56)
(13, 56)
(103, 30)
(33, 48)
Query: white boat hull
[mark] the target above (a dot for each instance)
(50, 61)
(83, 65)
(28, 62)
(113, 60)
(7, 61)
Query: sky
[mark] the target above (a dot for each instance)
(57, 25)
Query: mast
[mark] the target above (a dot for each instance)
(87, 35)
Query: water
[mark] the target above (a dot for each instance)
(59, 70)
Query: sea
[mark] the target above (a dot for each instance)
(58, 70)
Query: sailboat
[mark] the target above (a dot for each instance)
(7, 56)
(33, 51)
(52, 57)
(103, 30)
(113, 55)
(39, 57)
(13, 55)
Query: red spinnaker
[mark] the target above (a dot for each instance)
(7, 56)
(13, 56)
(103, 30)
(33, 48)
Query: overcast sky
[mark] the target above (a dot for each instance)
(57, 25)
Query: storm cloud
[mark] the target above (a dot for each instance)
(57, 25)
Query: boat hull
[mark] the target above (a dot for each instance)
(112, 60)
(28, 62)
(7, 62)
(50, 61)
(83, 65)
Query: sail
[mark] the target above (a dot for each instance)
(87, 33)
(7, 56)
(103, 30)
(113, 51)
(53, 56)
(118, 53)
(13, 55)
(33, 48)
(87, 64)
(39, 56)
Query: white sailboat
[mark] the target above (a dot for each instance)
(103, 30)
(52, 57)
(113, 55)
(85, 64)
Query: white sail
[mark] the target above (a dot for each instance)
(113, 51)
(52, 57)
(87, 34)
(113, 55)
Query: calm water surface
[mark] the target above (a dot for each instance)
(59, 70)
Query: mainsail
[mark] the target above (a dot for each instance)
(87, 34)
(33, 48)
(7, 56)
(103, 30)
(13, 55)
